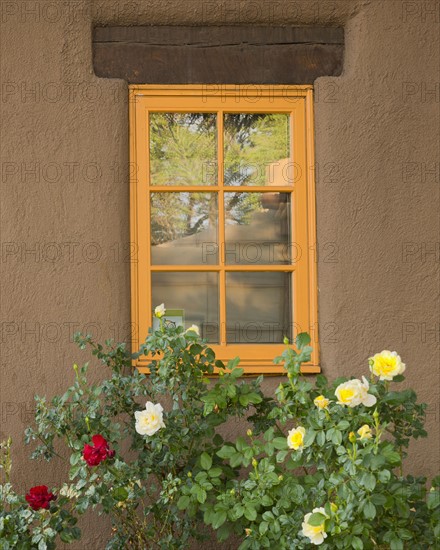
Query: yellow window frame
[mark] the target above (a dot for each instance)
(296, 100)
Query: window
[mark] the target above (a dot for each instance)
(223, 215)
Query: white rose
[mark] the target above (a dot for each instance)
(354, 392)
(149, 421)
(315, 534)
(159, 311)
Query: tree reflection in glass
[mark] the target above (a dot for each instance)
(183, 149)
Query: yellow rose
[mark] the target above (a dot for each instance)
(355, 392)
(316, 534)
(321, 402)
(295, 438)
(365, 432)
(386, 365)
(193, 328)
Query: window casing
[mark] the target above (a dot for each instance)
(279, 194)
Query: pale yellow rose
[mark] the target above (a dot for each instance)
(159, 311)
(355, 392)
(365, 432)
(386, 365)
(321, 402)
(193, 328)
(315, 534)
(149, 421)
(295, 438)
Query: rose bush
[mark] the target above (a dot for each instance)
(328, 469)
(152, 433)
(319, 463)
(35, 521)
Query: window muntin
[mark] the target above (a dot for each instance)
(231, 218)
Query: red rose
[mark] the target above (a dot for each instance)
(99, 451)
(39, 497)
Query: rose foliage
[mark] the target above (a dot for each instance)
(319, 463)
(36, 520)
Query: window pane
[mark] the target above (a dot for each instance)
(194, 293)
(258, 307)
(184, 228)
(257, 228)
(257, 149)
(183, 149)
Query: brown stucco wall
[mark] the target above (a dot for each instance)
(377, 150)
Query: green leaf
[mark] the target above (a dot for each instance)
(244, 400)
(120, 494)
(233, 363)
(250, 513)
(226, 451)
(303, 339)
(236, 460)
(368, 481)
(337, 437)
(369, 510)
(254, 398)
(205, 461)
(392, 456)
(74, 458)
(219, 519)
(280, 443)
(183, 502)
(433, 500)
(396, 543)
(281, 456)
(316, 519)
(201, 494)
(375, 462)
(402, 508)
(357, 543)
(405, 534)
(384, 476)
(238, 510)
(378, 499)
(343, 425)
(309, 437)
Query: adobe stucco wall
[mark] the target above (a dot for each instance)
(65, 205)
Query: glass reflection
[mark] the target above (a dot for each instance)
(257, 149)
(258, 307)
(183, 228)
(257, 228)
(183, 149)
(194, 294)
